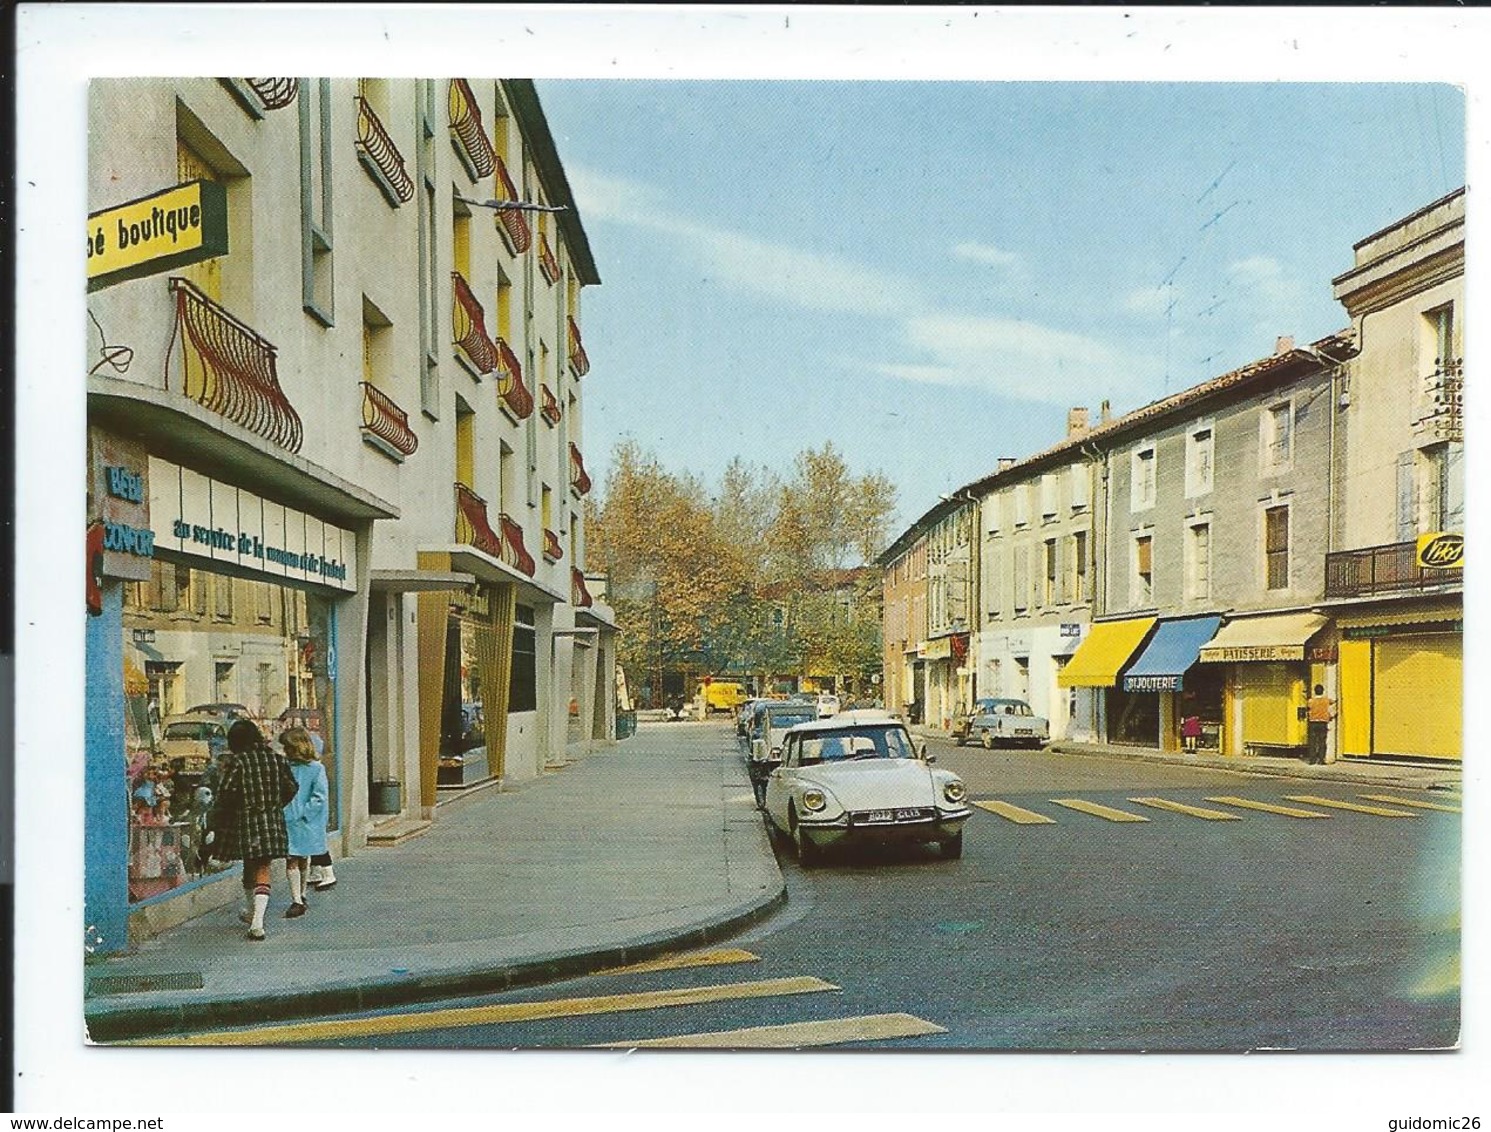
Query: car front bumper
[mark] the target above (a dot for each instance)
(840, 830)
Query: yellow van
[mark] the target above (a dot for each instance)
(723, 695)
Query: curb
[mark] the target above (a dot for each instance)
(1333, 772)
(180, 1018)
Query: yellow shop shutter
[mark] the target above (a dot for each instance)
(1354, 710)
(1270, 694)
(1418, 703)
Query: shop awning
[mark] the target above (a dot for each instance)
(1405, 613)
(1172, 650)
(1108, 646)
(1280, 636)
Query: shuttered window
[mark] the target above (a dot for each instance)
(1276, 546)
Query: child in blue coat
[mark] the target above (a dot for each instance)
(305, 816)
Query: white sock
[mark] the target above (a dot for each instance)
(314, 876)
(261, 904)
(327, 876)
(297, 884)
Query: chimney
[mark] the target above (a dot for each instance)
(1076, 421)
(1105, 413)
(1006, 463)
(1283, 344)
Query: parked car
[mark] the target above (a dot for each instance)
(862, 780)
(828, 704)
(190, 743)
(962, 722)
(722, 695)
(1008, 722)
(764, 736)
(232, 711)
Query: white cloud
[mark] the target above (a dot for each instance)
(988, 254)
(1267, 279)
(925, 374)
(1150, 301)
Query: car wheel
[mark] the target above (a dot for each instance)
(988, 741)
(952, 847)
(807, 852)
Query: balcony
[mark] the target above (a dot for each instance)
(512, 395)
(381, 158)
(1442, 401)
(579, 482)
(1390, 569)
(472, 527)
(467, 135)
(228, 368)
(549, 405)
(553, 550)
(511, 222)
(578, 361)
(258, 96)
(546, 261)
(386, 426)
(469, 328)
(579, 596)
(514, 553)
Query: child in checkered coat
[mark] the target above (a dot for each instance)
(249, 816)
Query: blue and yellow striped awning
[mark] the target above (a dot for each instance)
(1107, 649)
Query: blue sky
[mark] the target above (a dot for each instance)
(930, 273)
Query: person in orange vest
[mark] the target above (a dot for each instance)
(1318, 715)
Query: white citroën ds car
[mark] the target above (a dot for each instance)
(858, 777)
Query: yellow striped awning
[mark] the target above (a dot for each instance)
(1414, 613)
(1108, 646)
(1279, 636)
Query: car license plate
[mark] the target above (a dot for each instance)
(880, 816)
(1024, 731)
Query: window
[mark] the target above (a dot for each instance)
(316, 291)
(1277, 439)
(522, 692)
(1200, 451)
(993, 581)
(504, 307)
(460, 239)
(222, 682)
(1142, 481)
(1142, 593)
(264, 601)
(507, 469)
(1276, 546)
(1052, 592)
(1022, 505)
(222, 597)
(377, 346)
(207, 274)
(1048, 495)
(1022, 578)
(1439, 337)
(465, 444)
(429, 289)
(1080, 487)
(1198, 561)
(1079, 567)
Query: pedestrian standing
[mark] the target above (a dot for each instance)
(305, 815)
(1190, 732)
(1318, 715)
(248, 820)
(321, 876)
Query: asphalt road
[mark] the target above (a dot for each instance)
(1079, 932)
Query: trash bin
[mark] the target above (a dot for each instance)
(626, 724)
(386, 796)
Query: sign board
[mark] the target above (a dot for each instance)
(1152, 683)
(1243, 653)
(1440, 551)
(940, 648)
(119, 491)
(169, 229)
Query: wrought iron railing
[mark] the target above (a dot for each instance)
(549, 405)
(382, 417)
(380, 157)
(469, 326)
(474, 147)
(579, 481)
(510, 221)
(275, 94)
(472, 525)
(1388, 569)
(579, 596)
(578, 360)
(230, 369)
(514, 553)
(553, 549)
(514, 395)
(546, 261)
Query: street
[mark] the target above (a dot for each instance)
(1074, 926)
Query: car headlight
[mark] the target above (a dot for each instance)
(814, 800)
(954, 791)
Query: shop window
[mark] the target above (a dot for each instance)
(316, 285)
(1277, 437)
(1142, 478)
(1142, 592)
(1276, 547)
(1198, 561)
(523, 687)
(1200, 450)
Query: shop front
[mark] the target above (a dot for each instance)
(1116, 716)
(1267, 678)
(1402, 681)
(1166, 680)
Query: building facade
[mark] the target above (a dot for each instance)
(336, 464)
(952, 563)
(904, 625)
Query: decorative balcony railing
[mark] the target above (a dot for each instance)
(553, 549)
(228, 368)
(514, 397)
(467, 134)
(510, 221)
(381, 158)
(514, 553)
(549, 405)
(1442, 401)
(382, 418)
(578, 361)
(546, 261)
(579, 596)
(1386, 569)
(579, 481)
(469, 326)
(472, 526)
(257, 96)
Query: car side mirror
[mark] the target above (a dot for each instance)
(925, 755)
(776, 752)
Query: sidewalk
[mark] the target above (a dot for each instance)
(649, 846)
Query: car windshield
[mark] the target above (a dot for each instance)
(192, 731)
(1008, 707)
(791, 717)
(856, 743)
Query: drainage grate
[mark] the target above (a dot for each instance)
(137, 984)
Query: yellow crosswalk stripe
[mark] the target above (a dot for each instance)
(793, 1035)
(333, 1030)
(1015, 813)
(1267, 807)
(1379, 811)
(680, 962)
(1104, 812)
(1409, 802)
(1182, 808)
